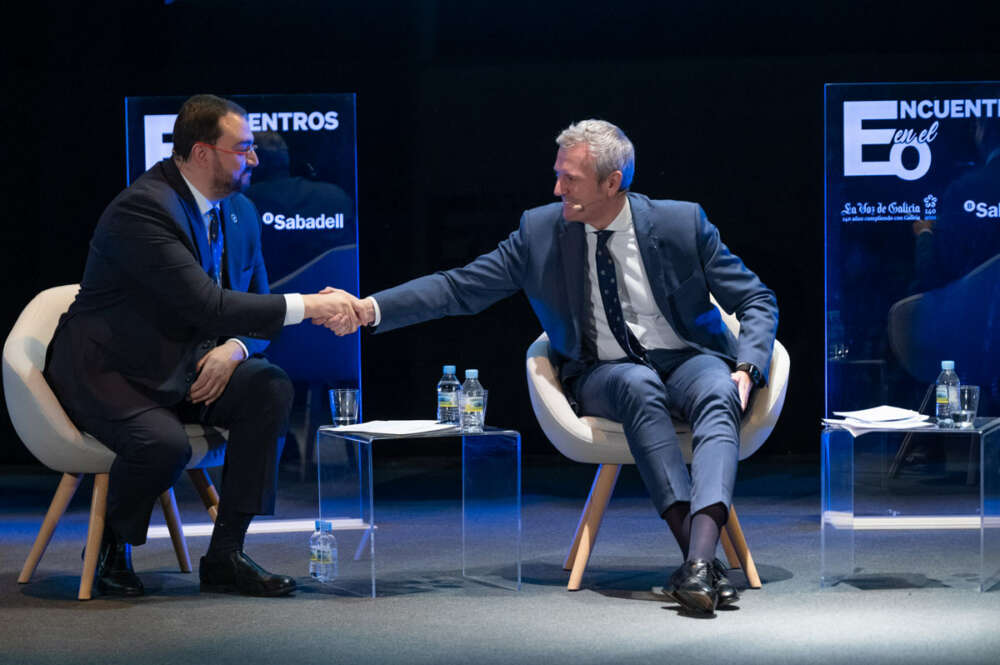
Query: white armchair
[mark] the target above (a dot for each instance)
(50, 435)
(593, 440)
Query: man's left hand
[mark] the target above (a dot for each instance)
(214, 371)
(743, 384)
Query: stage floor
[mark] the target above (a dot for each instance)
(926, 611)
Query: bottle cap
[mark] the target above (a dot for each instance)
(327, 526)
(947, 364)
(448, 369)
(472, 373)
(319, 524)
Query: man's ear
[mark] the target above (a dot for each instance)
(198, 154)
(613, 183)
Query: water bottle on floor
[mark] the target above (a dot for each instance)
(473, 400)
(323, 552)
(448, 389)
(946, 394)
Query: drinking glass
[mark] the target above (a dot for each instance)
(344, 406)
(968, 404)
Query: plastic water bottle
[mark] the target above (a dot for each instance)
(946, 394)
(448, 389)
(474, 402)
(323, 552)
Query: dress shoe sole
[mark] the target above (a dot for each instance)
(696, 601)
(118, 592)
(233, 589)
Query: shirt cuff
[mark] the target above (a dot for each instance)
(246, 354)
(295, 309)
(378, 312)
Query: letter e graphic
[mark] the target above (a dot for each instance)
(155, 130)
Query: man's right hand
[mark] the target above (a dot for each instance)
(332, 308)
(364, 309)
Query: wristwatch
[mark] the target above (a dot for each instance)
(755, 376)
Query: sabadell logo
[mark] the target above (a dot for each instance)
(297, 222)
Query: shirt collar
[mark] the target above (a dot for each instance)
(204, 205)
(621, 222)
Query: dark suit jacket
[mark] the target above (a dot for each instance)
(147, 309)
(546, 257)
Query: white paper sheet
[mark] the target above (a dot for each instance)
(396, 427)
(859, 427)
(881, 414)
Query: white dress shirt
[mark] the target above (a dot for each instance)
(642, 315)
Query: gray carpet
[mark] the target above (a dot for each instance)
(913, 601)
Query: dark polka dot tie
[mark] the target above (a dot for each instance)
(215, 238)
(607, 281)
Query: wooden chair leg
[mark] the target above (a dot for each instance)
(571, 555)
(95, 532)
(727, 547)
(206, 490)
(169, 504)
(590, 522)
(739, 543)
(64, 493)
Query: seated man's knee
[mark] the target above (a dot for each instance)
(639, 382)
(276, 390)
(719, 394)
(640, 390)
(171, 452)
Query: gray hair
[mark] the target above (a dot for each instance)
(607, 143)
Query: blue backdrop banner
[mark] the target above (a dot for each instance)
(305, 189)
(912, 241)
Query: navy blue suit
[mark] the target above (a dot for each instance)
(124, 355)
(684, 260)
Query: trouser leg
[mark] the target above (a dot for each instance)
(634, 395)
(151, 452)
(255, 408)
(701, 391)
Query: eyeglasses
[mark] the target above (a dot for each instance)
(243, 153)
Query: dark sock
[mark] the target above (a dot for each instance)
(229, 532)
(678, 519)
(706, 526)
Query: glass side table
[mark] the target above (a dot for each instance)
(490, 512)
(937, 512)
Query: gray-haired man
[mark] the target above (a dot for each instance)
(621, 285)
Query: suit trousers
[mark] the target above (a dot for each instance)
(152, 448)
(695, 387)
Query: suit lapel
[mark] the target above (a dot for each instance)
(193, 227)
(650, 248)
(573, 249)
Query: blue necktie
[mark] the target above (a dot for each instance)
(215, 240)
(608, 283)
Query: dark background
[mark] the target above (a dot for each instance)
(458, 107)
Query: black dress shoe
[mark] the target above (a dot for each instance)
(115, 576)
(693, 586)
(234, 571)
(727, 592)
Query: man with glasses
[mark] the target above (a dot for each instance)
(173, 306)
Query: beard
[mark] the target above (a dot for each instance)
(225, 182)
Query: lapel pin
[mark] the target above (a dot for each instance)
(232, 216)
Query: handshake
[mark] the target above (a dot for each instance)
(338, 310)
